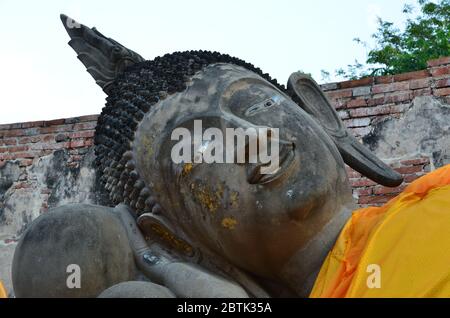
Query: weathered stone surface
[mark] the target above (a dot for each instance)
(6, 256)
(88, 236)
(137, 289)
(422, 130)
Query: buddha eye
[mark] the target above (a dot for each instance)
(270, 102)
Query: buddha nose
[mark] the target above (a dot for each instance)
(266, 156)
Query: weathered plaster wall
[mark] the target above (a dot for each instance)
(404, 119)
(42, 165)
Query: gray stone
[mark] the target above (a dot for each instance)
(88, 236)
(361, 91)
(6, 256)
(137, 289)
(61, 137)
(423, 130)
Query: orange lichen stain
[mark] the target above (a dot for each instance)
(234, 199)
(186, 169)
(229, 223)
(208, 199)
(172, 240)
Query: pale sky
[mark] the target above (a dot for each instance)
(42, 79)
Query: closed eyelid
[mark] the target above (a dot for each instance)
(265, 104)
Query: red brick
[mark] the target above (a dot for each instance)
(22, 185)
(401, 86)
(382, 88)
(75, 158)
(358, 102)
(442, 91)
(444, 82)
(89, 142)
(48, 138)
(417, 161)
(340, 103)
(411, 75)
(364, 199)
(352, 173)
(362, 182)
(380, 199)
(356, 83)
(362, 191)
(439, 71)
(15, 149)
(339, 94)
(439, 61)
(409, 170)
(364, 112)
(375, 101)
(388, 190)
(54, 122)
(392, 87)
(50, 146)
(13, 133)
(8, 142)
(27, 154)
(6, 156)
(55, 129)
(25, 162)
(420, 83)
(84, 126)
(384, 79)
(5, 126)
(88, 118)
(82, 134)
(422, 92)
(76, 143)
(32, 124)
(398, 97)
(29, 140)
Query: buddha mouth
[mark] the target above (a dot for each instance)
(286, 158)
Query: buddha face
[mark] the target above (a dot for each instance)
(256, 221)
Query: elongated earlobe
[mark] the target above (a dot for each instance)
(308, 95)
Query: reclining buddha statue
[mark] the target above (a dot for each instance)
(167, 228)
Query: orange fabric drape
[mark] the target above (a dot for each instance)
(408, 239)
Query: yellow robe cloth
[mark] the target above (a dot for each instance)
(3, 293)
(403, 246)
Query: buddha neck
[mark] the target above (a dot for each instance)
(300, 273)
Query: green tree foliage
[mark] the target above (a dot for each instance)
(425, 37)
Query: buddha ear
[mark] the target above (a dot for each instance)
(103, 57)
(308, 95)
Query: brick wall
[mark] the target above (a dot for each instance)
(31, 140)
(363, 104)
(26, 143)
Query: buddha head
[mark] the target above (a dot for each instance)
(263, 217)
